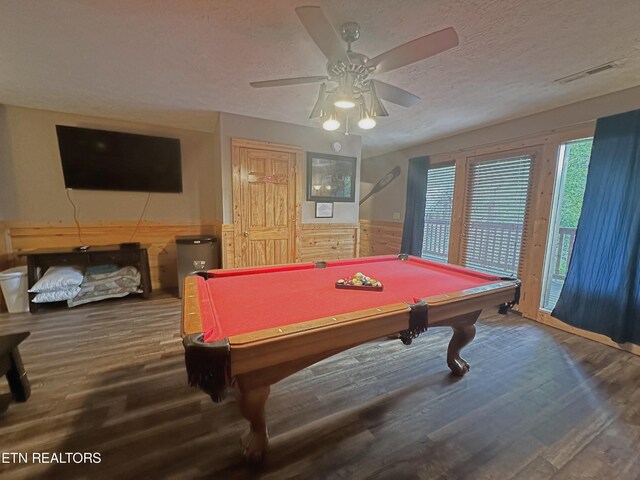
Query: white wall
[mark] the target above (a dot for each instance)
(7, 186)
(382, 206)
(32, 183)
(308, 138)
(217, 182)
(566, 116)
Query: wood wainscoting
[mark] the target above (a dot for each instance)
(328, 241)
(5, 261)
(380, 238)
(160, 237)
(227, 244)
(318, 241)
(4, 250)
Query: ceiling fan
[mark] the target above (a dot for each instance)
(348, 72)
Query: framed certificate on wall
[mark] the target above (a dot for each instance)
(324, 209)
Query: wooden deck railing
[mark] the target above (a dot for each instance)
(494, 246)
(563, 250)
(499, 245)
(435, 244)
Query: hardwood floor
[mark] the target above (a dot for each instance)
(537, 404)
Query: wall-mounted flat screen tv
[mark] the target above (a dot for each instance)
(105, 160)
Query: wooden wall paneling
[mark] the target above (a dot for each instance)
(365, 246)
(236, 162)
(357, 240)
(216, 229)
(540, 210)
(380, 238)
(457, 211)
(160, 237)
(4, 244)
(301, 186)
(328, 241)
(5, 261)
(534, 202)
(227, 245)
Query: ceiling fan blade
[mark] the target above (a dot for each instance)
(323, 34)
(395, 95)
(283, 82)
(415, 50)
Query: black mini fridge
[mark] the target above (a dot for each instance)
(195, 253)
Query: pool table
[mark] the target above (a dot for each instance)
(249, 328)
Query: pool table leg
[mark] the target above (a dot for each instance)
(252, 402)
(462, 336)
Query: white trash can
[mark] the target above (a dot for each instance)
(14, 288)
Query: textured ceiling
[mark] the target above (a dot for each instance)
(177, 61)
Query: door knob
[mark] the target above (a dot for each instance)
(246, 233)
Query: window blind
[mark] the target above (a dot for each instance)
(437, 215)
(495, 214)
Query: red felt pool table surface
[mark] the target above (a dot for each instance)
(248, 300)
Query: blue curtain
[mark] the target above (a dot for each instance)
(413, 229)
(602, 289)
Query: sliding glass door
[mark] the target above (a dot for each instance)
(437, 212)
(571, 179)
(495, 220)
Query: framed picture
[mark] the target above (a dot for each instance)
(331, 178)
(324, 209)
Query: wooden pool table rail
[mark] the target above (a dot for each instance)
(274, 346)
(305, 343)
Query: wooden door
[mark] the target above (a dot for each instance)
(264, 203)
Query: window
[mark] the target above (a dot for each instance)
(437, 212)
(573, 163)
(495, 214)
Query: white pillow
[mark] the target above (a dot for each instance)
(57, 296)
(58, 278)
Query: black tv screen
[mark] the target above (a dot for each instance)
(104, 160)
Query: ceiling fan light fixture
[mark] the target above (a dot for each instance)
(331, 123)
(351, 71)
(344, 101)
(318, 108)
(366, 122)
(345, 104)
(344, 95)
